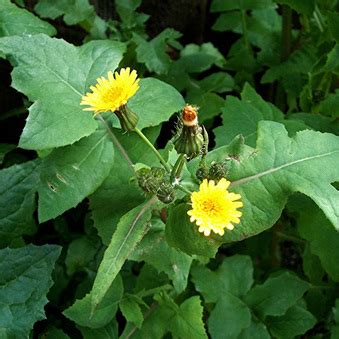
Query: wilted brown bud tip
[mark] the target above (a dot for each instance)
(190, 115)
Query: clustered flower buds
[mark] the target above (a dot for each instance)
(191, 139)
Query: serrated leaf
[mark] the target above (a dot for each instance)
(184, 235)
(276, 295)
(154, 102)
(230, 315)
(18, 21)
(153, 53)
(280, 165)
(242, 117)
(73, 11)
(80, 311)
(154, 250)
(24, 282)
(17, 198)
(131, 311)
(109, 331)
(188, 320)
(234, 276)
(64, 72)
(71, 173)
(130, 230)
(295, 322)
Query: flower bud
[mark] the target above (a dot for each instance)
(166, 193)
(190, 137)
(217, 171)
(128, 119)
(149, 179)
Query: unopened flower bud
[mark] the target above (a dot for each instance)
(166, 193)
(190, 138)
(149, 179)
(217, 171)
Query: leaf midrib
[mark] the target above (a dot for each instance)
(275, 169)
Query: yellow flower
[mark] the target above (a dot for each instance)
(214, 208)
(112, 93)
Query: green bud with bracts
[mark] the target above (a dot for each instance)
(128, 119)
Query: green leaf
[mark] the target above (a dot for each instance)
(234, 276)
(25, 280)
(71, 173)
(131, 228)
(255, 331)
(333, 24)
(295, 322)
(154, 250)
(4, 149)
(110, 331)
(219, 82)
(228, 21)
(119, 194)
(220, 5)
(242, 117)
(153, 53)
(17, 196)
(131, 311)
(64, 72)
(18, 21)
(280, 165)
(301, 6)
(73, 11)
(330, 106)
(184, 235)
(230, 315)
(80, 311)
(322, 237)
(276, 295)
(154, 102)
(187, 322)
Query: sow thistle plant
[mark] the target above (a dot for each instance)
(213, 207)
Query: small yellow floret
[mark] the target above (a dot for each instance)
(108, 95)
(214, 208)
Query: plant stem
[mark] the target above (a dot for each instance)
(116, 142)
(154, 150)
(178, 166)
(244, 29)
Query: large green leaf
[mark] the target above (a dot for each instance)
(155, 102)
(17, 196)
(153, 53)
(154, 250)
(230, 316)
(80, 311)
(295, 322)
(242, 117)
(276, 295)
(64, 72)
(74, 11)
(234, 276)
(302, 6)
(130, 230)
(24, 282)
(71, 173)
(279, 165)
(18, 21)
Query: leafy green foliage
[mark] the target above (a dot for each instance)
(18, 192)
(65, 72)
(17, 21)
(264, 75)
(25, 281)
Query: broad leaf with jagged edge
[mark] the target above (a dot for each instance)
(69, 174)
(18, 21)
(24, 282)
(279, 165)
(54, 75)
(17, 198)
(130, 230)
(242, 117)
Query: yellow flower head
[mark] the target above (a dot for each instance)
(112, 93)
(214, 208)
